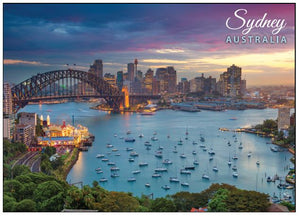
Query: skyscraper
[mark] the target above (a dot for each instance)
(130, 71)
(120, 80)
(148, 81)
(172, 79)
(135, 67)
(97, 68)
(230, 82)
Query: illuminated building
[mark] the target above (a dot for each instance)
(126, 94)
(24, 134)
(120, 79)
(28, 119)
(148, 81)
(229, 83)
(97, 68)
(130, 71)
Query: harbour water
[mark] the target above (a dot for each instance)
(171, 126)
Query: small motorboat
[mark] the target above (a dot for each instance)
(257, 163)
(186, 172)
(234, 168)
(131, 159)
(185, 184)
(165, 187)
(162, 169)
(205, 176)
(147, 143)
(136, 172)
(156, 175)
(131, 179)
(235, 174)
(143, 164)
(182, 156)
(129, 139)
(134, 154)
(215, 168)
(141, 136)
(111, 163)
(103, 180)
(114, 175)
(147, 185)
(167, 162)
(114, 169)
(174, 179)
(100, 155)
(109, 145)
(196, 162)
(129, 149)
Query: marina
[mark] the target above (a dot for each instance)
(169, 128)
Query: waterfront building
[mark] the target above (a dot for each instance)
(56, 135)
(148, 81)
(24, 133)
(120, 80)
(130, 71)
(7, 99)
(97, 68)
(28, 119)
(209, 85)
(283, 118)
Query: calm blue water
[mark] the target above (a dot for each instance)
(173, 123)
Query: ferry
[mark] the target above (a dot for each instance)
(129, 139)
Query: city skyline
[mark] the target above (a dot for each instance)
(190, 37)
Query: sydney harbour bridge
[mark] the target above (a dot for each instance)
(70, 84)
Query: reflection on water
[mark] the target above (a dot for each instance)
(173, 124)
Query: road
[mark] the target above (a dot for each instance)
(29, 159)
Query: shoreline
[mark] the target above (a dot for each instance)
(67, 171)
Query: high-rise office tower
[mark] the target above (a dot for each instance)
(130, 71)
(230, 82)
(148, 81)
(97, 68)
(120, 80)
(172, 79)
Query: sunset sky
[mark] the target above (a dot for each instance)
(191, 37)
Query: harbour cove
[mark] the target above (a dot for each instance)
(199, 133)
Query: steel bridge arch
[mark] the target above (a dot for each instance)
(32, 87)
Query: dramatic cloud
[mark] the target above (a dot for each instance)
(189, 36)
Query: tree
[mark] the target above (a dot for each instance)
(13, 188)
(20, 170)
(9, 203)
(217, 203)
(163, 205)
(26, 205)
